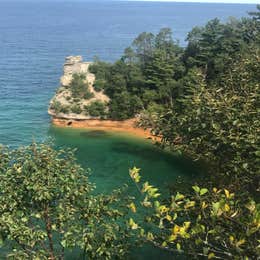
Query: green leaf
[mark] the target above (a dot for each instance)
(134, 173)
(203, 191)
(1, 241)
(179, 196)
(196, 188)
(211, 255)
(150, 236)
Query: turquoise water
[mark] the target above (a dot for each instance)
(36, 36)
(111, 154)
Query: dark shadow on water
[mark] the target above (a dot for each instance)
(128, 148)
(95, 134)
(153, 153)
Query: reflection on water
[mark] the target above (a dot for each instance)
(94, 133)
(153, 153)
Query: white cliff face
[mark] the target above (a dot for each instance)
(75, 65)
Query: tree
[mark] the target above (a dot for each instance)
(210, 223)
(164, 40)
(123, 106)
(129, 56)
(256, 14)
(214, 120)
(214, 46)
(144, 46)
(79, 87)
(218, 124)
(96, 109)
(47, 206)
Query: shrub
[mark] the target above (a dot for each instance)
(56, 106)
(78, 86)
(59, 108)
(68, 98)
(96, 109)
(76, 109)
(206, 223)
(99, 85)
(88, 95)
(47, 207)
(65, 109)
(76, 100)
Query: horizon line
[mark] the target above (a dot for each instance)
(245, 2)
(197, 1)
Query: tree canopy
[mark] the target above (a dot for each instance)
(47, 208)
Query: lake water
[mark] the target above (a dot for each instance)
(35, 37)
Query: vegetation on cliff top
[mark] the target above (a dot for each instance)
(78, 98)
(155, 71)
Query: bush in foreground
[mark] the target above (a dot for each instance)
(47, 207)
(215, 224)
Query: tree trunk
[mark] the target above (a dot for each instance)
(49, 233)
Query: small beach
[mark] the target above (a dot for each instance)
(127, 126)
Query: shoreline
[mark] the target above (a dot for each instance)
(126, 126)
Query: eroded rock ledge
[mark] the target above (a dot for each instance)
(66, 106)
(62, 104)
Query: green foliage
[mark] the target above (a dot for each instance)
(99, 85)
(147, 72)
(219, 124)
(65, 109)
(100, 69)
(96, 109)
(213, 119)
(157, 70)
(76, 109)
(47, 207)
(144, 46)
(205, 223)
(88, 95)
(214, 46)
(79, 87)
(56, 106)
(59, 108)
(124, 106)
(68, 98)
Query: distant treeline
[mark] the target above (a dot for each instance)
(155, 71)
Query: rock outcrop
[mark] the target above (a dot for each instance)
(63, 103)
(73, 65)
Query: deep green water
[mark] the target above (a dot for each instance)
(111, 154)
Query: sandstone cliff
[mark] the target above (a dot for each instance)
(65, 104)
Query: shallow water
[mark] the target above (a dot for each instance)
(109, 155)
(36, 36)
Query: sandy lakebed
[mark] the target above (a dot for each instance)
(127, 126)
